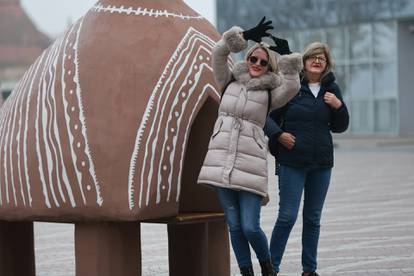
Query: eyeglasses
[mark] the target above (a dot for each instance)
(317, 58)
(254, 60)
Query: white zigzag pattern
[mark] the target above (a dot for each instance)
(142, 11)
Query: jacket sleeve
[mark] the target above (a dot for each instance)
(273, 129)
(340, 116)
(290, 66)
(231, 41)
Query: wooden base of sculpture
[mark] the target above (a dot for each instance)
(17, 249)
(197, 245)
(199, 249)
(108, 249)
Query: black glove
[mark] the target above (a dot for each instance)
(281, 46)
(259, 31)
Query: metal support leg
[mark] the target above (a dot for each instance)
(17, 249)
(108, 249)
(199, 249)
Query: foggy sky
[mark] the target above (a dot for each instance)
(53, 16)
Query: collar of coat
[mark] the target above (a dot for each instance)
(267, 81)
(325, 81)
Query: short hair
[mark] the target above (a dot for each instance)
(316, 48)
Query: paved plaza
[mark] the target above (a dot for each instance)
(367, 226)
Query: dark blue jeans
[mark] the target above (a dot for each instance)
(242, 210)
(292, 182)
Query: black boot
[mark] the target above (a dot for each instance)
(267, 268)
(311, 274)
(247, 271)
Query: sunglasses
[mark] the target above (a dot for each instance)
(254, 60)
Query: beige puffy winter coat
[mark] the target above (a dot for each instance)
(237, 152)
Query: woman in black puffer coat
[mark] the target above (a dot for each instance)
(300, 139)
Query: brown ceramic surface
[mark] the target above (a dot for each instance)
(98, 126)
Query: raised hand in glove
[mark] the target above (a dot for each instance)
(281, 46)
(259, 31)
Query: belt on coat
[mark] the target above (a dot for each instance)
(237, 126)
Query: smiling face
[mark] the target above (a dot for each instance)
(258, 63)
(315, 65)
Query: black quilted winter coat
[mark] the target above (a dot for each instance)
(311, 121)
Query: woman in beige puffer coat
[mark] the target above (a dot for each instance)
(236, 161)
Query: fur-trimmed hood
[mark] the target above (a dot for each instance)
(267, 81)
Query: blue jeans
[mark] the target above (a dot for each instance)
(292, 182)
(242, 210)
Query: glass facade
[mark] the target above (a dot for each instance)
(5, 95)
(366, 70)
(362, 35)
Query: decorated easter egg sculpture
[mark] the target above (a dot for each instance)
(112, 121)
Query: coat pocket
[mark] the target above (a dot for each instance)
(260, 141)
(217, 128)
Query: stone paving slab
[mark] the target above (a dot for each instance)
(367, 226)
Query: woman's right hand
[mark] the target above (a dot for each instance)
(287, 140)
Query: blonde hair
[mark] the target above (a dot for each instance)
(270, 54)
(317, 48)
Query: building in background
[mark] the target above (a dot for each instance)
(372, 42)
(20, 44)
